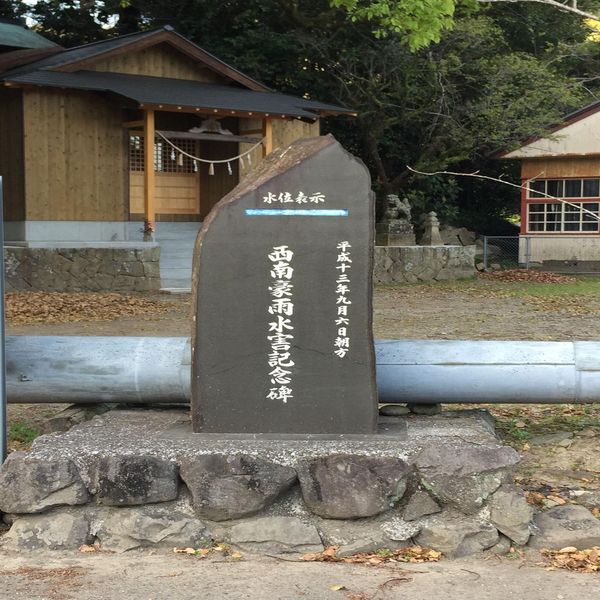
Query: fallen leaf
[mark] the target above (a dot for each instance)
(184, 550)
(337, 587)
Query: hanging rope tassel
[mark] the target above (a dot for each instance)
(177, 154)
(195, 166)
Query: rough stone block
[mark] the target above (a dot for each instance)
(420, 505)
(31, 485)
(456, 535)
(511, 514)
(276, 534)
(52, 531)
(129, 480)
(232, 487)
(568, 525)
(466, 475)
(158, 525)
(348, 487)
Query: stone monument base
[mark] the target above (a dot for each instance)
(137, 478)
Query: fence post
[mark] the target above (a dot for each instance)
(485, 252)
(527, 251)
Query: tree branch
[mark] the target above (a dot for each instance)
(566, 6)
(477, 175)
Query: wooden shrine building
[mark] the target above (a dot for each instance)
(75, 125)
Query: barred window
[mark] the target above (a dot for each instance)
(166, 158)
(574, 217)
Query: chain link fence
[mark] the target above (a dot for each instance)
(505, 252)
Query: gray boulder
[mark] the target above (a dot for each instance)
(386, 530)
(503, 546)
(157, 525)
(130, 480)
(344, 486)
(420, 505)
(464, 476)
(455, 535)
(568, 525)
(276, 534)
(51, 531)
(32, 485)
(511, 514)
(394, 410)
(232, 487)
(588, 498)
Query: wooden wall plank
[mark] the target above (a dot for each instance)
(545, 168)
(285, 132)
(214, 187)
(11, 154)
(175, 193)
(74, 153)
(161, 60)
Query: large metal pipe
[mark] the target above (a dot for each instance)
(157, 370)
(80, 370)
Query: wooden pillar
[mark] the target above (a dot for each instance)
(149, 186)
(267, 133)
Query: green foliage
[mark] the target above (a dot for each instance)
(22, 433)
(420, 22)
(437, 84)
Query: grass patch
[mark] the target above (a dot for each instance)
(518, 423)
(582, 287)
(21, 434)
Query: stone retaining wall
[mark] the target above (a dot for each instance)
(410, 264)
(82, 269)
(130, 479)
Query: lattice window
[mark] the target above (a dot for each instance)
(166, 158)
(562, 217)
(136, 153)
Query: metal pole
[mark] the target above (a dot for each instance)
(485, 252)
(3, 423)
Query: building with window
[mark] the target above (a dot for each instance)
(560, 197)
(76, 125)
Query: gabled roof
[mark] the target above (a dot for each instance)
(67, 69)
(178, 93)
(81, 57)
(17, 36)
(570, 137)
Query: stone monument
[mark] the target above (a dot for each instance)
(396, 228)
(431, 231)
(282, 284)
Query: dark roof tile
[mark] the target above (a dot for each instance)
(177, 92)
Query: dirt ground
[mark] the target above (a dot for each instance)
(481, 308)
(162, 576)
(474, 309)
